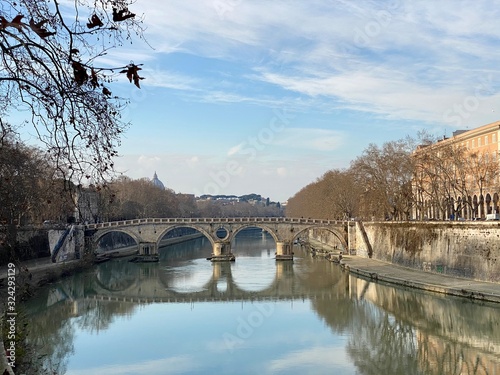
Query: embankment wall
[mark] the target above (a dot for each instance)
(464, 249)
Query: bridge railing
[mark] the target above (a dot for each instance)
(217, 220)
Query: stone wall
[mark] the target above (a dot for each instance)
(72, 246)
(465, 249)
(32, 243)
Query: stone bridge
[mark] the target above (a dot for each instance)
(221, 231)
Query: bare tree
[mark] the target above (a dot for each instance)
(447, 175)
(49, 69)
(386, 174)
(308, 202)
(343, 194)
(438, 179)
(335, 195)
(483, 171)
(24, 176)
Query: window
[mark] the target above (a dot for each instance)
(479, 142)
(494, 136)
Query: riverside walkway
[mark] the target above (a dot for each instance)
(429, 281)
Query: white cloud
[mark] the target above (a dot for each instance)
(148, 161)
(281, 171)
(159, 77)
(235, 149)
(172, 365)
(400, 60)
(332, 359)
(310, 139)
(193, 162)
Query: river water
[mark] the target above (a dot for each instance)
(186, 315)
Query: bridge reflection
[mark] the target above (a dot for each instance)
(195, 281)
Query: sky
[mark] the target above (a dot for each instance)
(254, 96)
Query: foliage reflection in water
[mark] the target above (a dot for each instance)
(186, 315)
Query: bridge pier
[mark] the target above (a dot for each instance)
(148, 248)
(222, 279)
(222, 252)
(351, 236)
(284, 250)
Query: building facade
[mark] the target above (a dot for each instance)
(458, 177)
(86, 205)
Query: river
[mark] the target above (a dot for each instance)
(186, 315)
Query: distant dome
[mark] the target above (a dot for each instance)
(156, 182)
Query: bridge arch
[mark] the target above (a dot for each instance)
(184, 225)
(188, 279)
(121, 277)
(265, 228)
(100, 234)
(339, 235)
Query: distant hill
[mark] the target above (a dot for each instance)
(246, 197)
(241, 198)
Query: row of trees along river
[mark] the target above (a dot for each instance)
(382, 182)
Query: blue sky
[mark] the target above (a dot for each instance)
(254, 96)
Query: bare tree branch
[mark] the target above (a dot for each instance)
(48, 68)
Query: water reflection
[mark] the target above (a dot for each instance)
(187, 315)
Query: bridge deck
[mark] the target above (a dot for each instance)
(189, 220)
